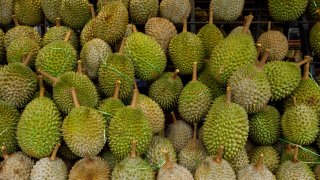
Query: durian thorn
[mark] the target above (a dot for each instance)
(74, 97)
(264, 58)
(54, 152)
(211, 12)
(248, 23)
(41, 86)
(15, 20)
(79, 67)
(175, 74)
(228, 95)
(304, 61)
(45, 74)
(259, 163)
(123, 43)
(174, 117)
(306, 71)
(117, 90)
(133, 152)
(218, 157)
(5, 154)
(295, 154)
(269, 26)
(185, 25)
(194, 74)
(91, 9)
(58, 21)
(27, 59)
(294, 99)
(168, 164)
(67, 36)
(134, 98)
(195, 132)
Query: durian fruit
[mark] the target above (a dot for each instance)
(230, 54)
(250, 86)
(102, 3)
(133, 167)
(75, 13)
(166, 90)
(276, 42)
(15, 166)
(59, 32)
(84, 129)
(284, 77)
(313, 6)
(93, 53)
(305, 154)
(162, 30)
(195, 99)
(90, 168)
(117, 66)
(9, 117)
(57, 57)
(65, 153)
(128, 124)
(18, 83)
(111, 105)
(316, 171)
(210, 34)
(282, 10)
(28, 12)
(172, 171)
(175, 10)
(273, 160)
(142, 10)
(39, 128)
(179, 133)
(146, 54)
(193, 153)
(240, 161)
(294, 169)
(265, 126)
(109, 157)
(215, 168)
(227, 10)
(257, 171)
(52, 168)
(87, 31)
(314, 37)
(155, 155)
(2, 48)
(186, 48)
(111, 22)
(51, 9)
(223, 118)
(300, 124)
(6, 9)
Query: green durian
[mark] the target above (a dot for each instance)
(316, 171)
(282, 10)
(109, 157)
(51, 9)
(240, 161)
(87, 31)
(273, 160)
(142, 10)
(102, 3)
(175, 10)
(28, 12)
(314, 38)
(227, 10)
(6, 9)
(75, 13)
(256, 171)
(2, 48)
(306, 154)
(313, 6)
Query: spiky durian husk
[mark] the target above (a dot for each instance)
(227, 10)
(176, 172)
(22, 31)
(282, 10)
(250, 172)
(28, 12)
(75, 13)
(294, 171)
(314, 38)
(109, 107)
(51, 9)
(59, 33)
(175, 10)
(273, 160)
(49, 169)
(17, 166)
(142, 10)
(87, 32)
(6, 9)
(240, 161)
(307, 155)
(179, 133)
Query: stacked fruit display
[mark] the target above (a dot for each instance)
(214, 107)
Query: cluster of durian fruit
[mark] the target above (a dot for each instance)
(64, 118)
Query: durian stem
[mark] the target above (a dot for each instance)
(44, 74)
(74, 97)
(294, 99)
(194, 75)
(244, 20)
(259, 48)
(289, 148)
(295, 154)
(264, 58)
(228, 95)
(306, 59)
(318, 14)
(68, 35)
(134, 28)
(41, 86)
(133, 152)
(174, 117)
(27, 59)
(58, 22)
(259, 163)
(306, 71)
(168, 164)
(248, 23)
(269, 25)
(117, 90)
(15, 20)
(218, 158)
(175, 74)
(123, 43)
(91, 8)
(135, 86)
(185, 25)
(134, 98)
(195, 131)
(5, 154)
(211, 13)
(79, 68)
(54, 152)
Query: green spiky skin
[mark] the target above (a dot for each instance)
(250, 88)
(276, 42)
(230, 54)
(184, 49)
(222, 119)
(294, 171)
(192, 155)
(59, 33)
(176, 172)
(87, 33)
(300, 124)
(21, 31)
(102, 3)
(155, 156)
(153, 112)
(129, 124)
(18, 83)
(84, 131)
(312, 8)
(240, 161)
(2, 48)
(142, 10)
(65, 152)
(147, 56)
(227, 10)
(209, 169)
(28, 12)
(109, 157)
(17, 166)
(9, 117)
(307, 155)
(116, 67)
(210, 36)
(38, 130)
(6, 9)
(194, 101)
(265, 126)
(109, 107)
(179, 133)
(282, 10)
(175, 10)
(284, 78)
(56, 58)
(49, 169)
(86, 91)
(133, 168)
(93, 53)
(51, 9)
(75, 14)
(250, 172)
(20, 48)
(166, 91)
(314, 38)
(111, 22)
(272, 160)
(238, 30)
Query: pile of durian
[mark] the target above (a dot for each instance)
(94, 98)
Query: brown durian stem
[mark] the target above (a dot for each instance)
(133, 153)
(295, 154)
(123, 43)
(259, 163)
(68, 35)
(134, 98)
(46, 75)
(306, 71)
(264, 58)
(58, 22)
(134, 28)
(195, 132)
(211, 12)
(318, 14)
(91, 8)
(5, 154)
(185, 25)
(74, 97)
(304, 61)
(289, 148)
(135, 86)
(174, 117)
(248, 23)
(269, 25)
(41, 86)
(194, 74)
(175, 74)
(294, 99)
(79, 67)
(117, 90)
(259, 48)
(218, 158)
(228, 95)
(54, 152)
(27, 59)
(168, 164)
(15, 20)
